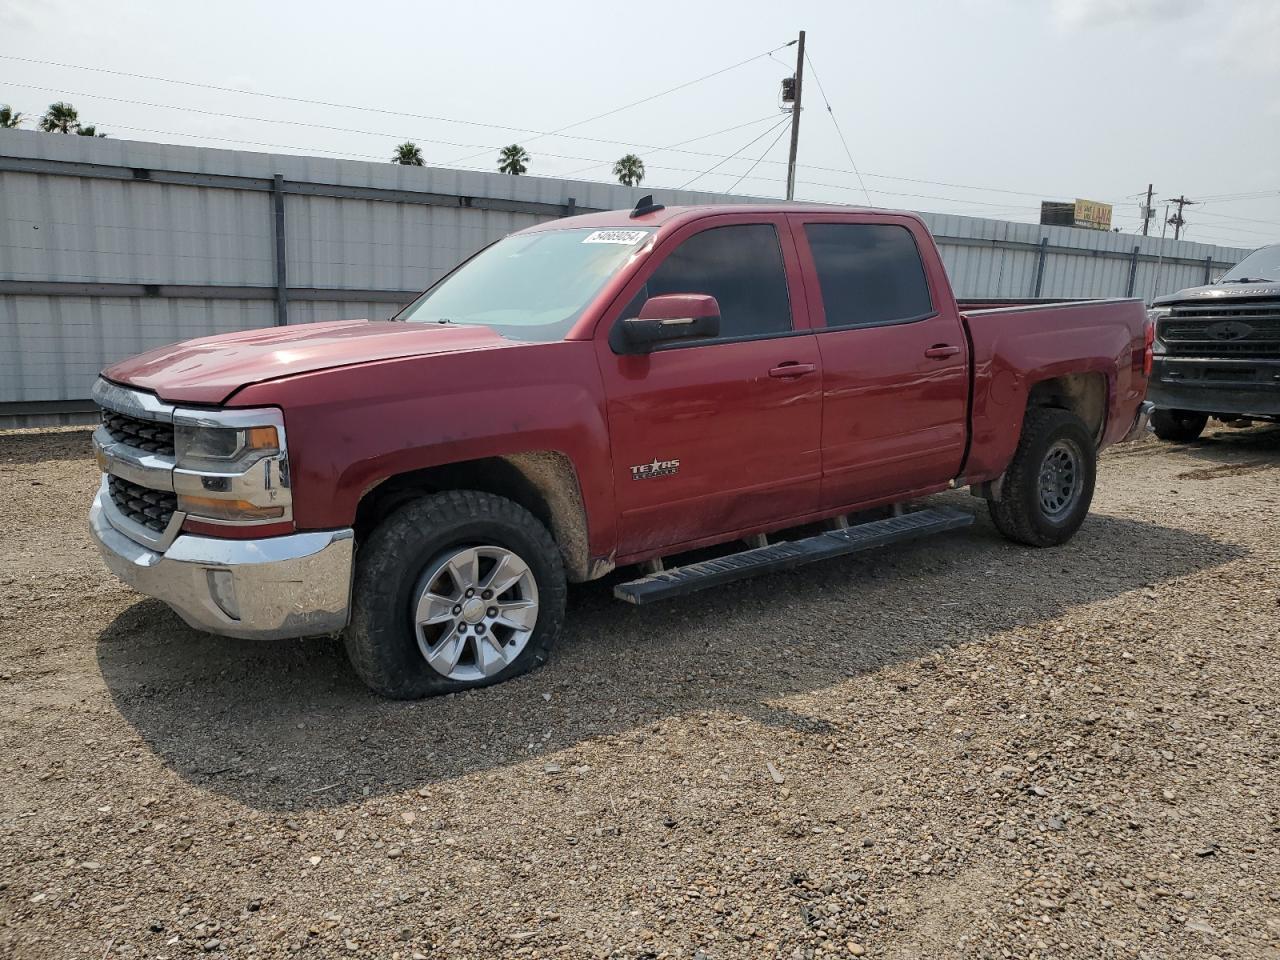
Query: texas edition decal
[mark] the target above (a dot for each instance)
(658, 468)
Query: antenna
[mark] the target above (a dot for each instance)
(646, 205)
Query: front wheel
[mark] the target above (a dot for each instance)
(1048, 486)
(1179, 426)
(452, 591)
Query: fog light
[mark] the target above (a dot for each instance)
(222, 587)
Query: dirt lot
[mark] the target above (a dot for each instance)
(957, 748)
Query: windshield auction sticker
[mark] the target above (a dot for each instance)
(624, 237)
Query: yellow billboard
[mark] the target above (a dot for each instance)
(1093, 214)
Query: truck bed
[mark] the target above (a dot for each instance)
(1084, 346)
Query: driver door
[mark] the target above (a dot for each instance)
(712, 438)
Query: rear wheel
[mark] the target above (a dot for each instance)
(1048, 486)
(453, 591)
(1179, 426)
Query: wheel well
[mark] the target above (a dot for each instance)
(543, 482)
(1084, 394)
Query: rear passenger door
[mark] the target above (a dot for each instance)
(894, 356)
(714, 437)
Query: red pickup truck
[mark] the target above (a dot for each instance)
(598, 392)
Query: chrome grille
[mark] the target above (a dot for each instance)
(150, 436)
(1241, 331)
(151, 508)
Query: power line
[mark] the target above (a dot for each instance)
(538, 133)
(333, 127)
(1231, 197)
(781, 134)
(705, 136)
(255, 93)
(672, 147)
(376, 109)
(486, 147)
(780, 123)
(197, 136)
(635, 103)
(594, 161)
(1222, 216)
(831, 113)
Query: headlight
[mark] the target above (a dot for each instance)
(231, 466)
(1154, 316)
(199, 445)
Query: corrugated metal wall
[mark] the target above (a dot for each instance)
(998, 258)
(77, 211)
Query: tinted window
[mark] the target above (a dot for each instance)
(741, 266)
(869, 273)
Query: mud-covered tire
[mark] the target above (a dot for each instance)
(1021, 514)
(382, 640)
(1178, 426)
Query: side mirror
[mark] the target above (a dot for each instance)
(673, 316)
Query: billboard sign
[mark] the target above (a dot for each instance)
(1093, 214)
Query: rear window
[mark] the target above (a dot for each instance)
(870, 274)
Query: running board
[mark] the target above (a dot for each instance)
(790, 553)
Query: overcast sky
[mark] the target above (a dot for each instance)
(997, 104)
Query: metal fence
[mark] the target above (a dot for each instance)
(111, 247)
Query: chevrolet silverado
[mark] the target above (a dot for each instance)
(610, 390)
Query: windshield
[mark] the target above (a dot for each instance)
(1262, 264)
(530, 286)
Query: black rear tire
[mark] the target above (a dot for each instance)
(1178, 426)
(382, 640)
(1055, 446)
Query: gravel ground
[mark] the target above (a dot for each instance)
(955, 748)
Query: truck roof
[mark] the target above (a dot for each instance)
(668, 216)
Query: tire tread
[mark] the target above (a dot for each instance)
(1013, 514)
(380, 563)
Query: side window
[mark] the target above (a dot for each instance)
(870, 274)
(741, 266)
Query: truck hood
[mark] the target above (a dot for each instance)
(210, 369)
(1220, 291)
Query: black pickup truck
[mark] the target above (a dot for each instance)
(1217, 350)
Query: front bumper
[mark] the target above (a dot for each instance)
(1216, 387)
(273, 588)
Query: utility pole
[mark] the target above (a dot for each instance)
(1146, 212)
(795, 120)
(1177, 221)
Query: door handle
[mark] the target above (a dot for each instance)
(791, 369)
(940, 351)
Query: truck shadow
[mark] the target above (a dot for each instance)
(287, 726)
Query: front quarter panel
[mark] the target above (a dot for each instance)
(351, 428)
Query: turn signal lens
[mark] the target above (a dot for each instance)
(212, 508)
(262, 438)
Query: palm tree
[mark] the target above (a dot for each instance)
(9, 117)
(513, 160)
(60, 118)
(409, 155)
(90, 131)
(629, 170)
